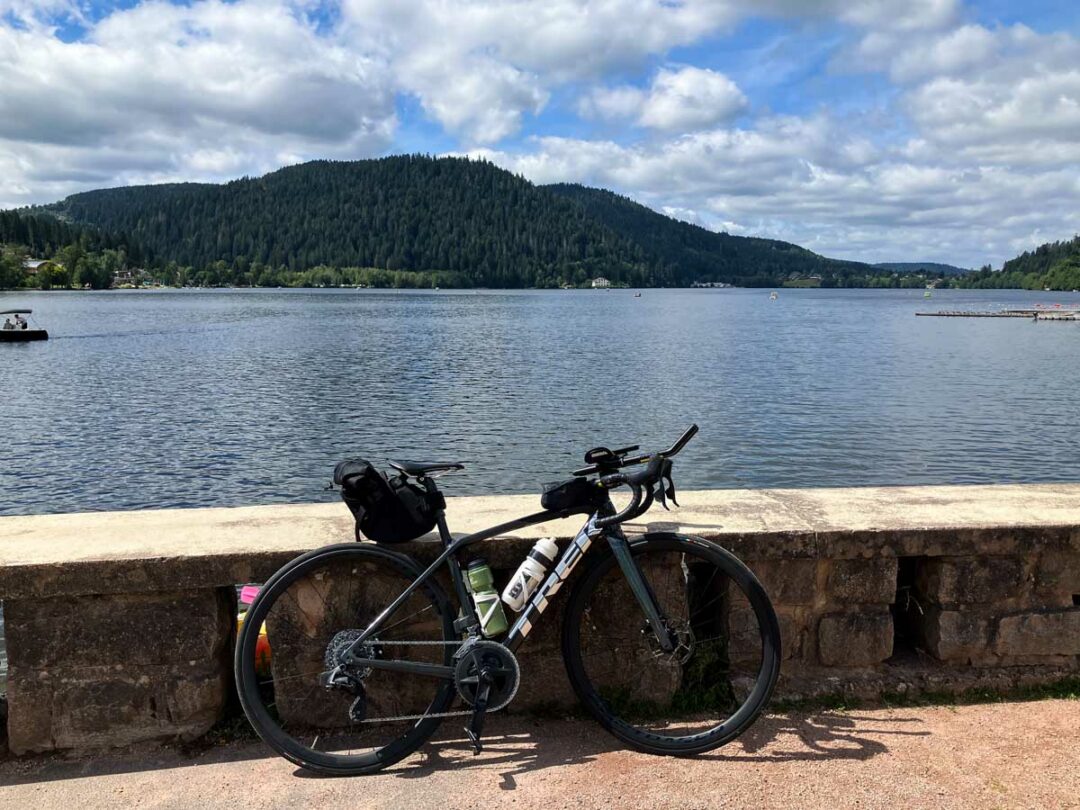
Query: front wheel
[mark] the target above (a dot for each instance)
(716, 681)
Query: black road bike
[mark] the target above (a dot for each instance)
(351, 655)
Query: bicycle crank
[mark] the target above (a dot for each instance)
(486, 677)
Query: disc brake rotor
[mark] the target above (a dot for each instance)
(684, 642)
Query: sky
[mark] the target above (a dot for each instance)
(891, 130)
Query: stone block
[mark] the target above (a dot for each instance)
(870, 581)
(855, 639)
(954, 635)
(1054, 632)
(791, 635)
(788, 582)
(102, 707)
(1058, 574)
(130, 629)
(950, 581)
(97, 671)
(744, 635)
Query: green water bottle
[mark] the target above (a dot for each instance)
(489, 609)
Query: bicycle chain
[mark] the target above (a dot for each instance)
(417, 716)
(377, 642)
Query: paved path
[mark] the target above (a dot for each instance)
(1005, 755)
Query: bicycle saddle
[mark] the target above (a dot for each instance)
(417, 469)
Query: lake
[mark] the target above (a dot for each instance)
(224, 397)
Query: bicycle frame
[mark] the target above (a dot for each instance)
(537, 603)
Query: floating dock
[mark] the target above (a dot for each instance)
(1030, 314)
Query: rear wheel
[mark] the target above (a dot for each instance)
(715, 683)
(295, 631)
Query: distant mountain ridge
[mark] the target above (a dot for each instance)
(927, 267)
(469, 221)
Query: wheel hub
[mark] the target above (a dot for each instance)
(335, 657)
(683, 636)
(487, 660)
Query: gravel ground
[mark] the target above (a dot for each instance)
(989, 756)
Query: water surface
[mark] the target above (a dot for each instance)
(210, 398)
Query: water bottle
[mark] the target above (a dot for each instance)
(489, 609)
(530, 573)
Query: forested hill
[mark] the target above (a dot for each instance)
(469, 222)
(698, 253)
(44, 235)
(1053, 266)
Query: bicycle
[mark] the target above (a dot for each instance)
(367, 653)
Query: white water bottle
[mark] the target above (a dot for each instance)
(530, 573)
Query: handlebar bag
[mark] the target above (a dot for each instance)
(575, 495)
(387, 509)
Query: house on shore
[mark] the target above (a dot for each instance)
(35, 266)
(600, 283)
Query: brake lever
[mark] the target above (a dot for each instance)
(670, 493)
(661, 495)
(667, 485)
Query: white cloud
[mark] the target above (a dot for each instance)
(212, 89)
(994, 95)
(900, 15)
(691, 98)
(37, 13)
(686, 98)
(512, 53)
(812, 181)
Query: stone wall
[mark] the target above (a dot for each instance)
(867, 625)
(114, 670)
(120, 626)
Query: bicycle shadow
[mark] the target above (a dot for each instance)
(517, 746)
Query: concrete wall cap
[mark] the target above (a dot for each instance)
(55, 554)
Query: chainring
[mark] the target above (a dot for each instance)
(502, 665)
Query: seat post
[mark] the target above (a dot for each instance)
(440, 513)
(461, 590)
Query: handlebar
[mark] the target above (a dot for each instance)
(681, 443)
(641, 482)
(629, 462)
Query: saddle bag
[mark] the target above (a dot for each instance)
(572, 496)
(388, 509)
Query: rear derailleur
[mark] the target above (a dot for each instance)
(347, 675)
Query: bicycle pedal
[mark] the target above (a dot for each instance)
(474, 738)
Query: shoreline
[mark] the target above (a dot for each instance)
(779, 287)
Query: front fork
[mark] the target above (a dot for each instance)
(640, 587)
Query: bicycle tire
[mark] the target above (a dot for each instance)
(603, 568)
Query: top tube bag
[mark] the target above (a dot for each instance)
(573, 496)
(388, 509)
